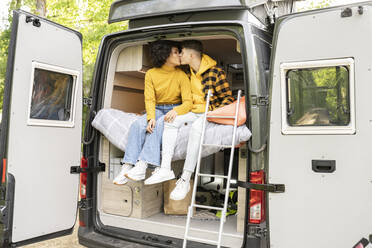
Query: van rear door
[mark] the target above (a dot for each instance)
(321, 128)
(40, 131)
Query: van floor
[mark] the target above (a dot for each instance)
(160, 223)
(174, 226)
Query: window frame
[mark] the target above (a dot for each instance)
(286, 127)
(54, 123)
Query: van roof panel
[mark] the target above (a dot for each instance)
(135, 9)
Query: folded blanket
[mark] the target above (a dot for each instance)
(115, 124)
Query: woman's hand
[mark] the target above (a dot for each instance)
(150, 125)
(170, 116)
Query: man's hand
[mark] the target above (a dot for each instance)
(150, 125)
(170, 116)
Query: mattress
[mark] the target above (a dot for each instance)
(115, 124)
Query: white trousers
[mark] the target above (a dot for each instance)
(170, 136)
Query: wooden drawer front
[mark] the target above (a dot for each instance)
(118, 200)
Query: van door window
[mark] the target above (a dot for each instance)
(317, 97)
(51, 100)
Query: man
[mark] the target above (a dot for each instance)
(204, 76)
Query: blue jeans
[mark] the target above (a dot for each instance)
(146, 146)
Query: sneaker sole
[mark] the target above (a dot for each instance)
(160, 181)
(116, 183)
(133, 179)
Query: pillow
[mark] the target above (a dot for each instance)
(229, 110)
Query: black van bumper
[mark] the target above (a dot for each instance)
(92, 239)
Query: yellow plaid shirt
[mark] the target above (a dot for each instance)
(214, 79)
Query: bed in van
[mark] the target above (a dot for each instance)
(302, 180)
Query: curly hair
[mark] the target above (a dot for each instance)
(160, 51)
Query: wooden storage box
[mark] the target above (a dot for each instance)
(133, 199)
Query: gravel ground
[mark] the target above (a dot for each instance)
(70, 241)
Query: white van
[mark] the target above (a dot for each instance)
(307, 77)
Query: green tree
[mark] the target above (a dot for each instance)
(86, 16)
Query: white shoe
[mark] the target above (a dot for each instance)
(160, 175)
(138, 172)
(120, 179)
(181, 190)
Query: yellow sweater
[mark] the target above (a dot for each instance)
(198, 96)
(167, 85)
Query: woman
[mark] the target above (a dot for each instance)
(166, 87)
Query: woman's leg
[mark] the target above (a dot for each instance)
(150, 150)
(136, 139)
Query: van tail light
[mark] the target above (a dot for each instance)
(257, 199)
(83, 179)
(3, 178)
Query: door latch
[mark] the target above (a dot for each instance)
(272, 188)
(87, 101)
(77, 169)
(259, 100)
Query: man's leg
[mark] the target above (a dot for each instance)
(170, 136)
(183, 184)
(169, 142)
(193, 146)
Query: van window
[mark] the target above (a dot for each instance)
(318, 96)
(52, 96)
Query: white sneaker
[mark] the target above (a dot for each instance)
(120, 179)
(181, 190)
(138, 172)
(160, 175)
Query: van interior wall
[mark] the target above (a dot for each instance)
(133, 62)
(128, 95)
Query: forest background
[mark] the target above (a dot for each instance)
(89, 17)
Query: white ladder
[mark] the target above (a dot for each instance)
(197, 174)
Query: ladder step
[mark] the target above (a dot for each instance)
(224, 146)
(207, 207)
(208, 241)
(211, 175)
(222, 117)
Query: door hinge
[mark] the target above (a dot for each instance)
(257, 231)
(272, 188)
(78, 169)
(85, 203)
(259, 100)
(87, 101)
(35, 21)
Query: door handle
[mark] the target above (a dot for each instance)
(323, 166)
(272, 188)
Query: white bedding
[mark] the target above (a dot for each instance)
(114, 125)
